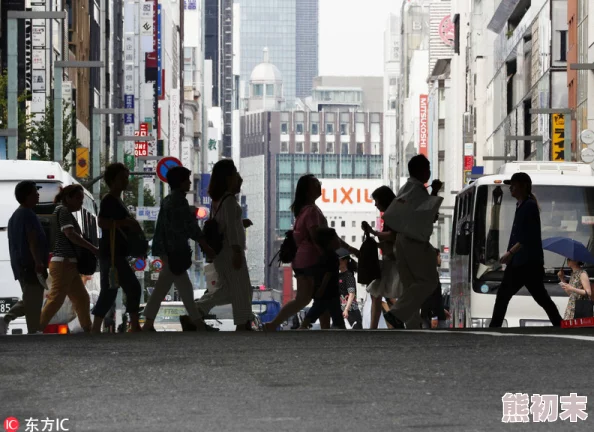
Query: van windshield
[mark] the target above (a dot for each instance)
(566, 211)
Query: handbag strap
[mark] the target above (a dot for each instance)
(212, 216)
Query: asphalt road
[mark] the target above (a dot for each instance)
(291, 381)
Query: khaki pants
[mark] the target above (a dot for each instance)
(67, 281)
(30, 306)
(418, 273)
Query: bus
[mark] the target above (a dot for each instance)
(483, 218)
(50, 177)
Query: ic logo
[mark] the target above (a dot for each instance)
(11, 424)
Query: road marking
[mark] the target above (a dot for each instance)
(584, 338)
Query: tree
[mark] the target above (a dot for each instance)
(23, 118)
(41, 137)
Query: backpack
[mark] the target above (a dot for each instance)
(211, 232)
(288, 250)
(369, 265)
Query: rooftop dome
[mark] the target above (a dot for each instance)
(266, 71)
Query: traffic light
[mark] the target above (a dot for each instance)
(202, 213)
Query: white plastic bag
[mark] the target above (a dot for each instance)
(212, 277)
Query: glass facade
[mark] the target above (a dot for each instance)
(290, 167)
(289, 29)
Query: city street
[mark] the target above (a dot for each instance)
(292, 381)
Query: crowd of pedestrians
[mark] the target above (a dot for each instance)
(406, 290)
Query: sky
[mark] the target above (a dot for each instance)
(352, 36)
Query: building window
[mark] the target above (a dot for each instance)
(269, 89)
(360, 148)
(372, 224)
(315, 147)
(343, 224)
(354, 224)
(299, 147)
(284, 128)
(343, 239)
(299, 129)
(315, 129)
(393, 105)
(330, 148)
(345, 148)
(344, 129)
(284, 147)
(392, 81)
(375, 149)
(258, 90)
(563, 45)
(333, 224)
(329, 128)
(354, 239)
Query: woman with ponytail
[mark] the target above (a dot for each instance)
(63, 268)
(524, 258)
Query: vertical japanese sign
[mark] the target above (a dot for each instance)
(423, 124)
(174, 144)
(38, 62)
(146, 27)
(160, 82)
(186, 153)
(130, 22)
(558, 147)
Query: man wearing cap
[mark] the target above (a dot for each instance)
(29, 256)
(524, 257)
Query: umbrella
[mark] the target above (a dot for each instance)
(569, 248)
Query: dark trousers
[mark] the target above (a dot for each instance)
(355, 319)
(531, 276)
(331, 305)
(127, 280)
(433, 307)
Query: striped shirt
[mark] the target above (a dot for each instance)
(64, 247)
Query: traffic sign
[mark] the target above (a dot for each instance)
(139, 264)
(165, 165)
(157, 265)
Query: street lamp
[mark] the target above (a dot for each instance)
(96, 156)
(58, 99)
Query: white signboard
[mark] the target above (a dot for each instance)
(174, 145)
(147, 213)
(38, 37)
(186, 153)
(38, 59)
(38, 80)
(347, 195)
(146, 26)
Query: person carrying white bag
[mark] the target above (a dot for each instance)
(412, 215)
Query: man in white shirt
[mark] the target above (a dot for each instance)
(415, 257)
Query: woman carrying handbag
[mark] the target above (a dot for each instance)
(73, 255)
(117, 227)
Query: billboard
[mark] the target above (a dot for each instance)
(558, 148)
(347, 195)
(423, 124)
(204, 197)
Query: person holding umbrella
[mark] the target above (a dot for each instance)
(524, 258)
(578, 288)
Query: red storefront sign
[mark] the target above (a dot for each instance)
(423, 124)
(141, 147)
(468, 163)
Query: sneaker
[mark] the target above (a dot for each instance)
(393, 321)
(3, 327)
